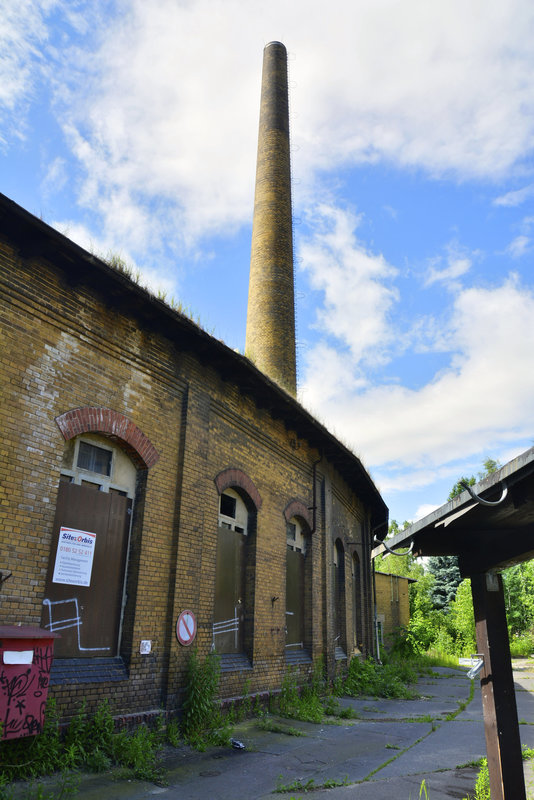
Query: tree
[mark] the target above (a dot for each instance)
(447, 578)
(445, 568)
(519, 596)
(490, 466)
(463, 620)
(405, 564)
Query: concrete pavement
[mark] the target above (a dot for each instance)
(384, 754)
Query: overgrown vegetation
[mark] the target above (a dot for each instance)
(118, 263)
(298, 785)
(89, 744)
(202, 722)
(304, 703)
(441, 607)
(482, 786)
(388, 680)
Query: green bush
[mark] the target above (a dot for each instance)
(304, 704)
(482, 787)
(138, 753)
(202, 722)
(89, 743)
(388, 680)
(522, 645)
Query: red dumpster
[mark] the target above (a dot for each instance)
(26, 655)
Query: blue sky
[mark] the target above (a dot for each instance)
(131, 126)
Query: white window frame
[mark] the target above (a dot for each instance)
(105, 482)
(239, 523)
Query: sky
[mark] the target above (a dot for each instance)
(131, 127)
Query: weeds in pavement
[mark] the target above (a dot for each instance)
(482, 786)
(423, 792)
(461, 705)
(310, 785)
(64, 789)
(267, 724)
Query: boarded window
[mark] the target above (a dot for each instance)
(339, 596)
(229, 611)
(295, 584)
(85, 581)
(356, 602)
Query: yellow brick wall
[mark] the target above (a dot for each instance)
(392, 603)
(65, 345)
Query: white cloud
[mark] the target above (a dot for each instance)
(163, 104)
(482, 402)
(22, 32)
(522, 243)
(458, 262)
(56, 176)
(519, 246)
(515, 198)
(151, 278)
(424, 510)
(356, 297)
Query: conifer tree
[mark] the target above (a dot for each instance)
(446, 580)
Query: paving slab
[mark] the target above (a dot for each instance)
(439, 786)
(333, 752)
(385, 754)
(452, 745)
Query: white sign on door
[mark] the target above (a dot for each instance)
(74, 557)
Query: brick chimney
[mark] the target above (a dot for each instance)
(270, 339)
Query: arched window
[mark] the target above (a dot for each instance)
(232, 594)
(356, 602)
(298, 587)
(339, 600)
(84, 592)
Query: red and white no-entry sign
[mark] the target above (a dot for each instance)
(186, 628)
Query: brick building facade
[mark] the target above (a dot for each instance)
(392, 605)
(123, 420)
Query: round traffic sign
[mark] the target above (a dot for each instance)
(186, 628)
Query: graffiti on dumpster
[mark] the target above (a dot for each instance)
(24, 691)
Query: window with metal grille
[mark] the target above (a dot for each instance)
(94, 459)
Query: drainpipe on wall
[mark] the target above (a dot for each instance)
(375, 617)
(313, 507)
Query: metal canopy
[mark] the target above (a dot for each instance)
(489, 527)
(484, 537)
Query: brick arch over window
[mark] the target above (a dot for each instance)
(90, 419)
(295, 508)
(233, 477)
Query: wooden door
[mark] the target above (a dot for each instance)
(88, 617)
(294, 598)
(229, 611)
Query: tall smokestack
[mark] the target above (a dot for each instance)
(270, 339)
